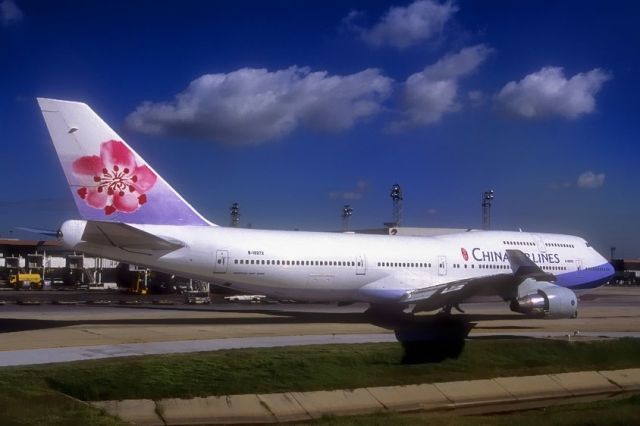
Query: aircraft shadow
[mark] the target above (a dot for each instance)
(8, 325)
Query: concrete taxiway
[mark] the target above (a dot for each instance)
(55, 333)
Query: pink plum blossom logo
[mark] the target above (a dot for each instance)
(465, 255)
(113, 181)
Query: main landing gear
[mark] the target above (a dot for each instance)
(447, 309)
(424, 338)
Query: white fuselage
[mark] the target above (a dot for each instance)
(321, 266)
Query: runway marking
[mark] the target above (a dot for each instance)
(92, 332)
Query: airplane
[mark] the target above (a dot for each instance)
(131, 214)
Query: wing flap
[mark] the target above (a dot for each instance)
(455, 292)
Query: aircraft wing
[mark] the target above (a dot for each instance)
(126, 237)
(524, 267)
(455, 292)
(502, 284)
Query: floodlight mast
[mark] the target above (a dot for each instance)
(487, 197)
(347, 211)
(396, 197)
(235, 215)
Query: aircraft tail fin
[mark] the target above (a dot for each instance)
(109, 180)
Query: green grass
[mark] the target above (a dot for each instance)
(609, 412)
(28, 400)
(311, 368)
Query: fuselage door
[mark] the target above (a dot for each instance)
(542, 248)
(361, 265)
(579, 267)
(222, 259)
(442, 265)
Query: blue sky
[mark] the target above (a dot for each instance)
(293, 109)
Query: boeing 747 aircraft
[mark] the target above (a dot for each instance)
(130, 213)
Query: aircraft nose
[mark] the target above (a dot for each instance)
(607, 267)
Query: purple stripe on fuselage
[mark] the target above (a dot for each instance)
(586, 278)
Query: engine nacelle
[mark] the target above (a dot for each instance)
(544, 299)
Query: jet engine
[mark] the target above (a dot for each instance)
(544, 299)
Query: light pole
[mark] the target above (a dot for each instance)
(347, 211)
(487, 197)
(235, 214)
(396, 197)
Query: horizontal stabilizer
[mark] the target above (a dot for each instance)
(47, 232)
(126, 237)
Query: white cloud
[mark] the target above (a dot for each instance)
(590, 180)
(428, 95)
(548, 93)
(355, 193)
(251, 106)
(10, 12)
(402, 27)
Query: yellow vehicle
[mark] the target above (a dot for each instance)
(20, 280)
(139, 285)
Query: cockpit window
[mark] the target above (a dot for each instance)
(587, 243)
